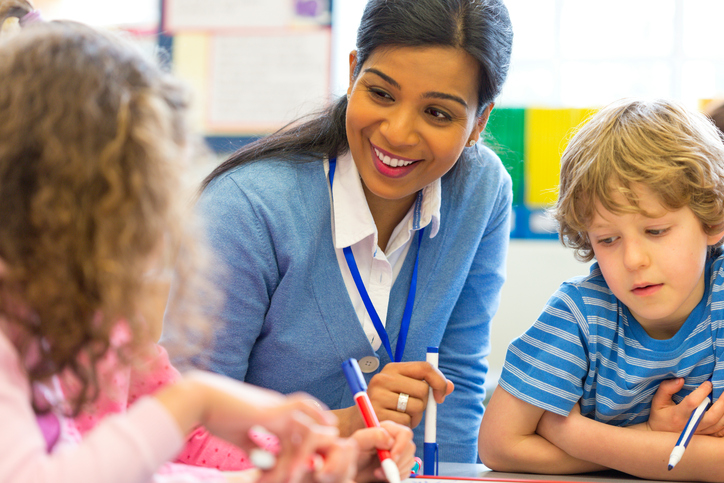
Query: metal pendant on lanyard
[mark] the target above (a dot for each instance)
(407, 314)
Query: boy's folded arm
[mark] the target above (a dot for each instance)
(508, 440)
(644, 454)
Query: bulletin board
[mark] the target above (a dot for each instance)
(254, 65)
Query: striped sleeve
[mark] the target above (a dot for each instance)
(546, 366)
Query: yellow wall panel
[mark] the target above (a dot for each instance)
(190, 54)
(547, 133)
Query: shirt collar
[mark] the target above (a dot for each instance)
(353, 220)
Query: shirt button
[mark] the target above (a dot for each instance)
(369, 364)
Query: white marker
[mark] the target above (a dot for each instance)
(688, 432)
(429, 456)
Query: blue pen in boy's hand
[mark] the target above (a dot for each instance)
(688, 432)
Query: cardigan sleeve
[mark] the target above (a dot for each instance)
(246, 273)
(466, 340)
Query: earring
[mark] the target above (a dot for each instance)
(471, 143)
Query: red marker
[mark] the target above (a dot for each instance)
(359, 390)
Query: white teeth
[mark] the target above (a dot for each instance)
(394, 162)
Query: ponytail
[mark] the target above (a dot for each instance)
(324, 134)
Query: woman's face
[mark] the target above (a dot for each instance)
(411, 112)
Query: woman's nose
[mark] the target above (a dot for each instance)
(399, 129)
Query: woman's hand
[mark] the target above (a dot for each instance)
(666, 415)
(412, 378)
(391, 436)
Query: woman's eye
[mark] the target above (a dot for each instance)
(439, 115)
(381, 94)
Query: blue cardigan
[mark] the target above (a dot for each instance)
(289, 322)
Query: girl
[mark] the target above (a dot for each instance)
(93, 144)
(377, 228)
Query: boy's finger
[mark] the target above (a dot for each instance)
(666, 390)
(713, 420)
(693, 400)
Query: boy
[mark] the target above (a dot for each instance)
(642, 192)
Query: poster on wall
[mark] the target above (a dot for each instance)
(219, 15)
(255, 65)
(258, 83)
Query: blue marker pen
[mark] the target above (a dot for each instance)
(430, 455)
(358, 386)
(688, 432)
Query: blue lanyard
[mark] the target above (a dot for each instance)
(407, 314)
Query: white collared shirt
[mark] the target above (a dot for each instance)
(353, 225)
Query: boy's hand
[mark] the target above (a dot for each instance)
(666, 415)
(555, 427)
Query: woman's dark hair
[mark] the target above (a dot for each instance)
(480, 27)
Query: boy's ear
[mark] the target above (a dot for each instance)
(715, 233)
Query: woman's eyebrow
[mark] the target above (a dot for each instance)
(442, 95)
(384, 76)
(427, 95)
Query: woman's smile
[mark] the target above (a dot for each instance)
(391, 165)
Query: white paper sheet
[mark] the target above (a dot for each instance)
(219, 15)
(260, 82)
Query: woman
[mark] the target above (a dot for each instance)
(393, 171)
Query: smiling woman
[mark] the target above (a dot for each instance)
(378, 223)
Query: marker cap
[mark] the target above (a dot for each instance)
(354, 376)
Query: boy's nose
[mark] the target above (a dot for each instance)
(635, 255)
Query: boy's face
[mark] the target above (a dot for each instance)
(654, 264)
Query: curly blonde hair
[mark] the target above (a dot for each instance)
(93, 147)
(672, 150)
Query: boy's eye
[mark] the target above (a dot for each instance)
(606, 241)
(657, 231)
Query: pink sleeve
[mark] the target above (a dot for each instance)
(125, 448)
(122, 386)
(126, 386)
(202, 448)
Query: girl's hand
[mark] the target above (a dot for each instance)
(228, 409)
(391, 436)
(412, 378)
(666, 415)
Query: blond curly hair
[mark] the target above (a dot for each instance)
(94, 143)
(674, 151)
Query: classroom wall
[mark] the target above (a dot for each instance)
(535, 269)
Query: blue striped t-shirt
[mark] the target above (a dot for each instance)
(586, 346)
